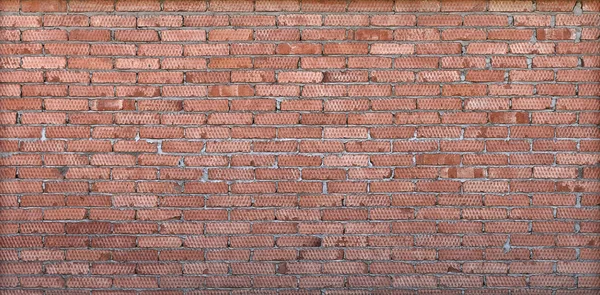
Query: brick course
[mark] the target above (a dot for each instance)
(187, 147)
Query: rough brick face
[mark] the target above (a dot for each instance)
(188, 147)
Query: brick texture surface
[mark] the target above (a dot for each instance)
(191, 147)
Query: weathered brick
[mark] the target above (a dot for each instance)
(329, 159)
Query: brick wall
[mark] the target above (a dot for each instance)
(277, 147)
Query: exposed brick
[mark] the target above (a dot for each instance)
(287, 147)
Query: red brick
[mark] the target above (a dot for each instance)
(438, 48)
(82, 5)
(89, 35)
(50, 6)
(133, 36)
(160, 50)
(252, 20)
(44, 35)
(160, 21)
(463, 152)
(487, 48)
(551, 5)
(205, 20)
(230, 35)
(133, 5)
(65, 21)
(113, 49)
(112, 21)
(44, 62)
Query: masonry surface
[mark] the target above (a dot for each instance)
(285, 147)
